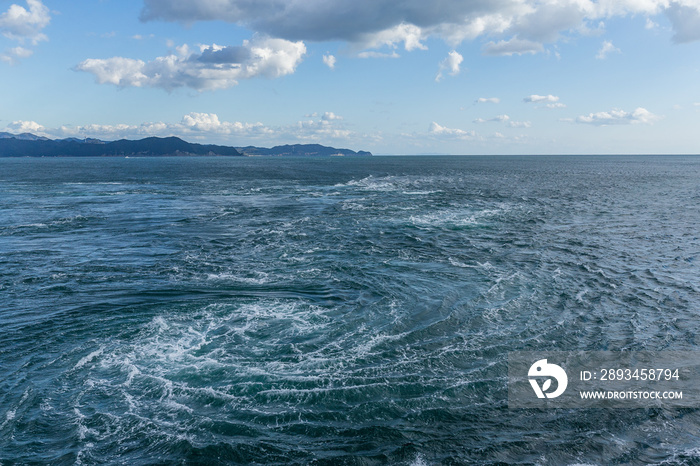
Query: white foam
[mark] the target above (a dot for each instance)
(458, 216)
(581, 294)
(457, 263)
(86, 359)
(444, 218)
(408, 184)
(419, 460)
(352, 205)
(366, 348)
(9, 417)
(228, 276)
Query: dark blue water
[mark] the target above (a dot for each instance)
(336, 311)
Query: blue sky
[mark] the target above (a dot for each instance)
(392, 77)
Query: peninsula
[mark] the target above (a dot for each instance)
(31, 145)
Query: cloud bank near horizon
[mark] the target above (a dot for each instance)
(200, 126)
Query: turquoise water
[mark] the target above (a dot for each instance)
(336, 311)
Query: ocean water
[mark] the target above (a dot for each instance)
(338, 310)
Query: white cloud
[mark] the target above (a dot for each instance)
(214, 67)
(24, 26)
(606, 49)
(371, 54)
(450, 64)
(618, 117)
(19, 23)
(14, 54)
(409, 34)
(315, 130)
(202, 121)
(493, 100)
(496, 119)
(329, 116)
(544, 101)
(534, 98)
(442, 131)
(119, 71)
(519, 124)
(329, 61)
(513, 46)
(21, 126)
(469, 27)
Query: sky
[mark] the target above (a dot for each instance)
(388, 76)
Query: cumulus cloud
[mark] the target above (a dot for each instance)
(202, 121)
(685, 18)
(206, 127)
(534, 98)
(493, 100)
(372, 54)
(192, 126)
(21, 126)
(544, 101)
(606, 49)
(450, 64)
(13, 55)
(496, 119)
(24, 25)
(516, 26)
(330, 116)
(513, 46)
(618, 117)
(442, 131)
(329, 61)
(212, 67)
(519, 124)
(545, 20)
(411, 36)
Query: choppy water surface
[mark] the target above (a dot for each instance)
(336, 311)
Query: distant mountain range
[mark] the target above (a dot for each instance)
(31, 145)
(299, 149)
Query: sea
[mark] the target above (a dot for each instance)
(336, 311)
